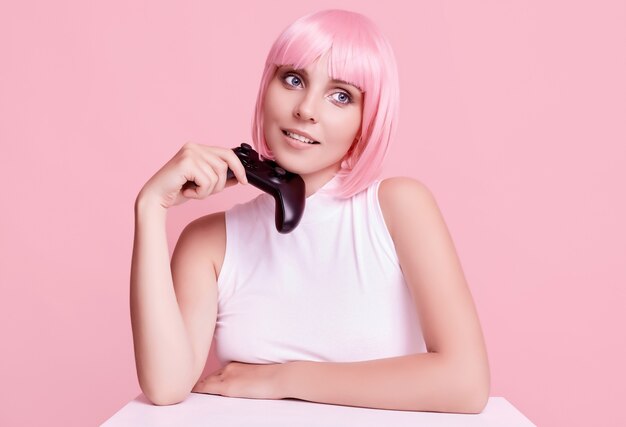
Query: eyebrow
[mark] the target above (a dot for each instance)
(303, 71)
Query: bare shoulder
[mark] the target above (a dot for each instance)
(205, 237)
(399, 197)
(208, 223)
(434, 275)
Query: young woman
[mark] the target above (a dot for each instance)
(363, 304)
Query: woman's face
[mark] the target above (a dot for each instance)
(307, 102)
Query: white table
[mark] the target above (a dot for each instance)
(213, 410)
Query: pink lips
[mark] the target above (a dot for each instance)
(298, 145)
(299, 132)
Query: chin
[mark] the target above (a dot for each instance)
(293, 162)
(304, 166)
(299, 166)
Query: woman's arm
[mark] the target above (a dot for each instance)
(171, 324)
(174, 308)
(417, 382)
(454, 375)
(163, 354)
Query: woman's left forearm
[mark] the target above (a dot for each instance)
(418, 382)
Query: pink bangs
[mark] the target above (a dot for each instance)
(358, 54)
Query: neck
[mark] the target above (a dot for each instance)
(316, 180)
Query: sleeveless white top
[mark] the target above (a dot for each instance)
(330, 291)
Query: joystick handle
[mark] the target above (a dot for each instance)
(287, 188)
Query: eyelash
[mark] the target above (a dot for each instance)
(298, 77)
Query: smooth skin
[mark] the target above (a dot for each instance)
(174, 311)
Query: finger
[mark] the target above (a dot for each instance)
(233, 162)
(194, 180)
(219, 167)
(203, 178)
(210, 188)
(210, 385)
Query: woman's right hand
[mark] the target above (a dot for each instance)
(205, 167)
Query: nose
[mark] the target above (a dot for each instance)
(306, 109)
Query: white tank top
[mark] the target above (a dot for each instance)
(332, 290)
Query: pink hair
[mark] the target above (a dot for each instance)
(360, 55)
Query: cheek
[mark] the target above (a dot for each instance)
(275, 101)
(270, 114)
(344, 128)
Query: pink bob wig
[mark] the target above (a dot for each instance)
(358, 54)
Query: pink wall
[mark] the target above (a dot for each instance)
(513, 113)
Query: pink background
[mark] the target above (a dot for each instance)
(513, 113)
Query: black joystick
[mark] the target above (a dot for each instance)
(286, 187)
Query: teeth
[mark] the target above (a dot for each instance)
(299, 137)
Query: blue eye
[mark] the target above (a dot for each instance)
(295, 78)
(345, 98)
